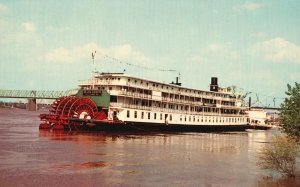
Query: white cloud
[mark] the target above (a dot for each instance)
(216, 51)
(277, 49)
(28, 26)
(3, 9)
(78, 53)
(248, 6)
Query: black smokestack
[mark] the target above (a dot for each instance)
(214, 84)
(249, 102)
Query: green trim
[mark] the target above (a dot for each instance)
(102, 99)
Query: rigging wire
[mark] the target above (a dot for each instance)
(139, 66)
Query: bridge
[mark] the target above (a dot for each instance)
(33, 95)
(267, 108)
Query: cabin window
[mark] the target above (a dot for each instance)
(110, 88)
(142, 115)
(135, 114)
(148, 115)
(194, 118)
(160, 116)
(180, 118)
(184, 118)
(189, 118)
(113, 98)
(154, 115)
(119, 79)
(170, 117)
(128, 114)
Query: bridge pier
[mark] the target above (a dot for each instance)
(31, 105)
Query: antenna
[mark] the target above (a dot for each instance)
(94, 67)
(93, 58)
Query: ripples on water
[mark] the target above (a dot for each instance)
(42, 158)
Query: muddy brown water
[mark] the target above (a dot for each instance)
(30, 157)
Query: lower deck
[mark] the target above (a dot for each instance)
(175, 118)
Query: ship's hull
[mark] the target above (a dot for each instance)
(97, 125)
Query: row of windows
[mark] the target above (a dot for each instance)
(147, 115)
(211, 119)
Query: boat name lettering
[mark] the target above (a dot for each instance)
(92, 92)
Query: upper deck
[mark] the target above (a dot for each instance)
(121, 79)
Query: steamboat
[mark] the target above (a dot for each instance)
(113, 101)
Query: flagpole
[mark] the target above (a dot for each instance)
(93, 68)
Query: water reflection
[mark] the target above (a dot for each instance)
(86, 165)
(232, 143)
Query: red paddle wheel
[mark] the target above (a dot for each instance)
(70, 107)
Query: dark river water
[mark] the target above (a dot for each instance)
(30, 157)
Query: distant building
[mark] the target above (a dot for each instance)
(257, 116)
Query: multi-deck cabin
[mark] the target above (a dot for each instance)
(141, 101)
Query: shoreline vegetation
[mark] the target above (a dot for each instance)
(281, 155)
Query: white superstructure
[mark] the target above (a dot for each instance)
(138, 100)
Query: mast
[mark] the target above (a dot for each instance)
(93, 70)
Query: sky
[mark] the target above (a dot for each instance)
(254, 45)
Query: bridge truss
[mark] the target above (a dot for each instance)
(35, 94)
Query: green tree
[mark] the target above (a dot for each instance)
(279, 155)
(290, 111)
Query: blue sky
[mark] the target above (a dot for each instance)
(254, 45)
